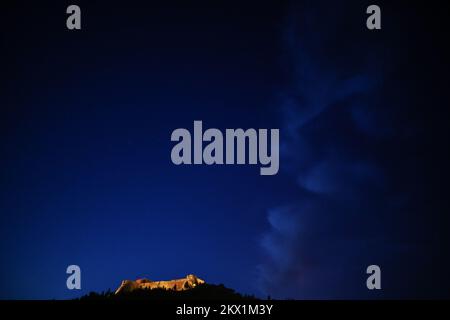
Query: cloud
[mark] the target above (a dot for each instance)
(318, 245)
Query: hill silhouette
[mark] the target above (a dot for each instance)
(201, 292)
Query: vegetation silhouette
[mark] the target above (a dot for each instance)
(200, 292)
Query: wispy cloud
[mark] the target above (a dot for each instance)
(332, 126)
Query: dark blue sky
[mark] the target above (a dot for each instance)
(86, 119)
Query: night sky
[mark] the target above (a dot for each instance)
(86, 175)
